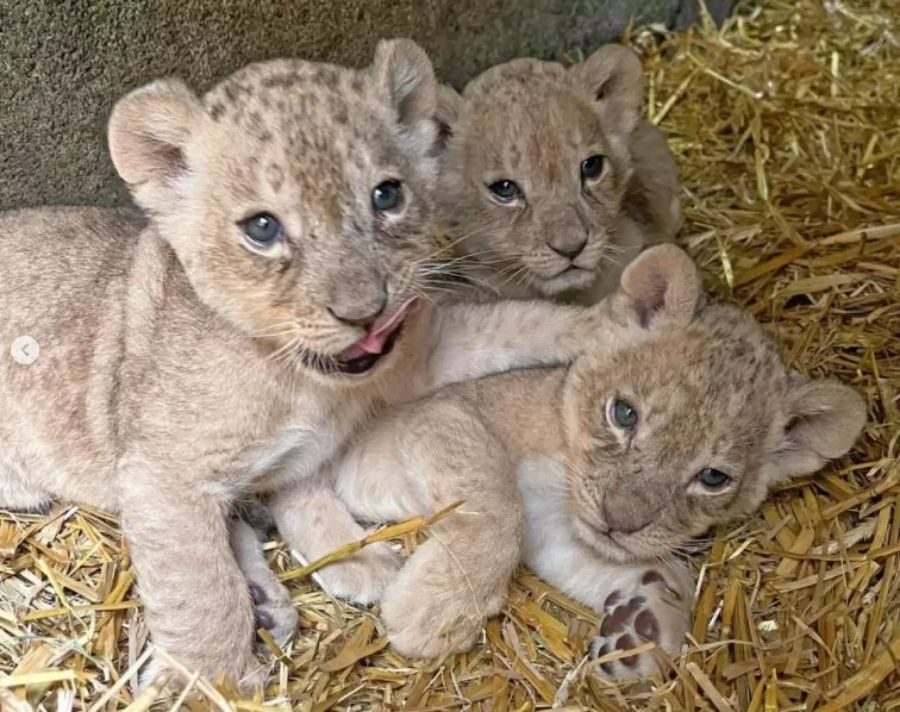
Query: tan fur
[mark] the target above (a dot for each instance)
(603, 505)
(534, 122)
(182, 367)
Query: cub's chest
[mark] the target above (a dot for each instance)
(309, 438)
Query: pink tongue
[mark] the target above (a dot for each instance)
(374, 341)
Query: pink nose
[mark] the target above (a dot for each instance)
(627, 515)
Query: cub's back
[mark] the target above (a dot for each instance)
(54, 253)
(62, 286)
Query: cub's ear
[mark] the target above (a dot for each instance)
(662, 287)
(449, 105)
(404, 68)
(148, 131)
(823, 420)
(612, 76)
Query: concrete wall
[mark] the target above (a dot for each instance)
(63, 63)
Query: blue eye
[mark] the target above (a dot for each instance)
(623, 414)
(505, 190)
(387, 196)
(712, 479)
(262, 230)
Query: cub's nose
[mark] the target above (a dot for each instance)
(566, 249)
(362, 315)
(627, 517)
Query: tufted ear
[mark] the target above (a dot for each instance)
(404, 68)
(662, 287)
(449, 105)
(612, 76)
(148, 131)
(824, 419)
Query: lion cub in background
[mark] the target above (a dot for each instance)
(680, 419)
(551, 182)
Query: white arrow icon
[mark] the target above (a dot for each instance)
(25, 350)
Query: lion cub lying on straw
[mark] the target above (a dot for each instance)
(681, 419)
(264, 313)
(550, 179)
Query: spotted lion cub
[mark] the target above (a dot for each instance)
(595, 472)
(551, 181)
(275, 298)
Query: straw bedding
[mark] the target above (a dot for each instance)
(786, 125)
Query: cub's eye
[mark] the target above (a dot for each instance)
(505, 191)
(592, 167)
(262, 230)
(712, 479)
(622, 414)
(387, 196)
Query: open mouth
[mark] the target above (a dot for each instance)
(367, 352)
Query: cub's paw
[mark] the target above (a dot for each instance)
(361, 578)
(655, 606)
(431, 609)
(274, 610)
(422, 625)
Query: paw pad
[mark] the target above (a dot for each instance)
(646, 609)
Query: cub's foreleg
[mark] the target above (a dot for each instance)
(467, 341)
(195, 597)
(418, 461)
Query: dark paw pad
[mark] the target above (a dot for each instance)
(626, 642)
(264, 620)
(653, 576)
(258, 595)
(646, 625)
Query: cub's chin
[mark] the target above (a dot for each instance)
(570, 280)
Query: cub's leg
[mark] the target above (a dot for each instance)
(641, 601)
(195, 597)
(417, 462)
(273, 606)
(314, 522)
(15, 493)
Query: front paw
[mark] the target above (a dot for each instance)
(274, 610)
(363, 577)
(422, 622)
(655, 607)
(432, 608)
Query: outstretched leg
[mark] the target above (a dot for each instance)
(416, 462)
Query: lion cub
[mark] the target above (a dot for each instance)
(551, 182)
(680, 419)
(276, 298)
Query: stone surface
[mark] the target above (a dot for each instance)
(63, 63)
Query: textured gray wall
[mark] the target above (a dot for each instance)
(63, 63)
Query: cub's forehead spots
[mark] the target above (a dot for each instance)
(275, 176)
(316, 129)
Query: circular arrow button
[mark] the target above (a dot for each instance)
(25, 350)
